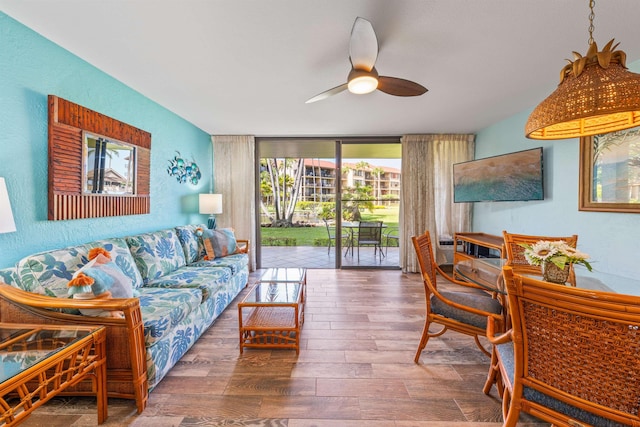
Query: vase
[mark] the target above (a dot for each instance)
(554, 274)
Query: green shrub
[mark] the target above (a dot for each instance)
(279, 241)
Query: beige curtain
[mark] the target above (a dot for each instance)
(427, 192)
(234, 178)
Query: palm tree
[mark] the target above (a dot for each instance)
(378, 172)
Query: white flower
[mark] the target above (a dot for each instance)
(557, 252)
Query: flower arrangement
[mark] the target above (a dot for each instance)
(557, 252)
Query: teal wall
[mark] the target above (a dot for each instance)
(611, 239)
(32, 67)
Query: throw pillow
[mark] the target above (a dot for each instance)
(100, 278)
(219, 243)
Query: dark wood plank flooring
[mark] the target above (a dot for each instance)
(355, 368)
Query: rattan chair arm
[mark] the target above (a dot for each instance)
(437, 294)
(42, 301)
(243, 248)
(497, 339)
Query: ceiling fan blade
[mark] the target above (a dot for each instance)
(363, 46)
(336, 90)
(400, 87)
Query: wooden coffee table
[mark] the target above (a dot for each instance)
(39, 362)
(271, 315)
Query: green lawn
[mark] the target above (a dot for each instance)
(307, 236)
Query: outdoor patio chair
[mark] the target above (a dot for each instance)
(461, 306)
(391, 238)
(331, 233)
(572, 356)
(515, 252)
(370, 234)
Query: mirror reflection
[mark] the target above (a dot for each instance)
(109, 166)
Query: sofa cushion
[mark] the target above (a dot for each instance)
(163, 309)
(9, 276)
(48, 273)
(235, 262)
(207, 279)
(191, 243)
(156, 254)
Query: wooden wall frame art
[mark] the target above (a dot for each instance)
(98, 166)
(610, 172)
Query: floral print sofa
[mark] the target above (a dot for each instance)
(177, 296)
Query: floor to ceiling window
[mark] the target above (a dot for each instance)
(315, 197)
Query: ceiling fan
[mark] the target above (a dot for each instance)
(363, 77)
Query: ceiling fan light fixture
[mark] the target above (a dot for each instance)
(363, 84)
(362, 81)
(596, 94)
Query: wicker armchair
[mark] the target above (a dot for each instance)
(572, 357)
(462, 306)
(515, 252)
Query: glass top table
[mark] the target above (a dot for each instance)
(487, 272)
(39, 361)
(272, 312)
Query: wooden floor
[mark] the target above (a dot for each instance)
(355, 368)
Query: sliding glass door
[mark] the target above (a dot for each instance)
(311, 202)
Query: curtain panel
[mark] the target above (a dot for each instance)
(427, 192)
(234, 178)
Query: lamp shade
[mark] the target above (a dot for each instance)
(210, 204)
(7, 225)
(596, 94)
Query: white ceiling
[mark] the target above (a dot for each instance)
(247, 66)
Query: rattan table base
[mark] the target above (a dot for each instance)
(272, 314)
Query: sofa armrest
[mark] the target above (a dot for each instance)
(243, 246)
(43, 301)
(126, 369)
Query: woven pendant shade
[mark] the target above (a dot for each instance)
(596, 100)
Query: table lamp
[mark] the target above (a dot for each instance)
(7, 225)
(211, 204)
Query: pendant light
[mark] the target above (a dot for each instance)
(596, 94)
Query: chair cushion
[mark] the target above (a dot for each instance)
(479, 301)
(506, 355)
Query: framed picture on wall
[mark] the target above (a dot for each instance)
(610, 172)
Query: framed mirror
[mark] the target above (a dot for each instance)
(610, 172)
(98, 166)
(108, 165)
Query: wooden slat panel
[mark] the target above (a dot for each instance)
(72, 206)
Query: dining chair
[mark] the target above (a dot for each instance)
(331, 232)
(460, 306)
(370, 234)
(571, 357)
(515, 252)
